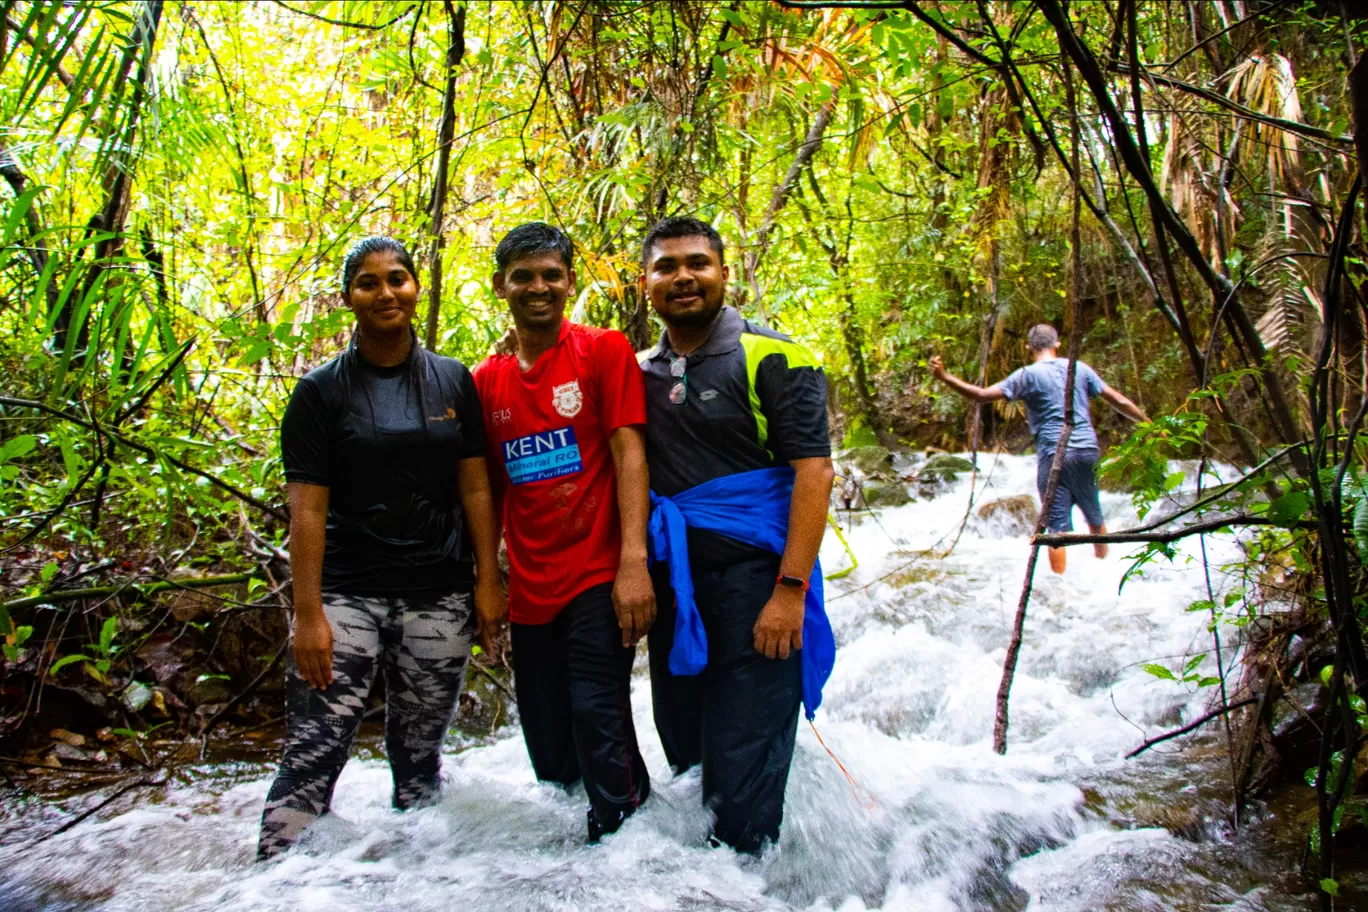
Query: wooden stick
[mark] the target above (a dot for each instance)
(1000, 720)
(1064, 539)
(71, 595)
(1197, 723)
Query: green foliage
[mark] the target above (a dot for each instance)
(98, 665)
(1188, 674)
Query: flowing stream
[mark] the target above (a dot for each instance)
(931, 819)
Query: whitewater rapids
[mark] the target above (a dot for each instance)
(933, 820)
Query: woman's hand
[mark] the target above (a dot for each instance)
(491, 612)
(313, 643)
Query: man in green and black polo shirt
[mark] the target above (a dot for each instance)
(725, 397)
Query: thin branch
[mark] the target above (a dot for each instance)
(1290, 126)
(147, 450)
(840, 4)
(247, 691)
(945, 32)
(1195, 724)
(345, 23)
(1001, 718)
(1064, 539)
(71, 595)
(118, 793)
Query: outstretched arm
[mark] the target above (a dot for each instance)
(963, 387)
(1123, 405)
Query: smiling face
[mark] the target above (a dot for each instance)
(536, 288)
(383, 295)
(686, 280)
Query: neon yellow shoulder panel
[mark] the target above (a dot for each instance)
(757, 349)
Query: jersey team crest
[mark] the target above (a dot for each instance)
(567, 399)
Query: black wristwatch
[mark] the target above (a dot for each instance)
(792, 582)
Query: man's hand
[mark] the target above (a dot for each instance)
(313, 641)
(937, 367)
(779, 630)
(491, 612)
(634, 601)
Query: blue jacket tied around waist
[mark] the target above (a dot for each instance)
(750, 507)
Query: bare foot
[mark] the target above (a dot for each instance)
(1057, 559)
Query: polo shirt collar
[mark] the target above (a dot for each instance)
(723, 338)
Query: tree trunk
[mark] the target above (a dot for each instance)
(445, 132)
(118, 172)
(809, 147)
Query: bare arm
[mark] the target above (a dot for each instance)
(633, 595)
(1123, 405)
(491, 603)
(963, 387)
(779, 629)
(312, 633)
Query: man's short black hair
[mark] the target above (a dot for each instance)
(677, 226)
(534, 237)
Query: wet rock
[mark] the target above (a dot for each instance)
(1181, 820)
(870, 460)
(1296, 704)
(62, 751)
(892, 494)
(1014, 515)
(210, 690)
(945, 467)
(1297, 718)
(937, 473)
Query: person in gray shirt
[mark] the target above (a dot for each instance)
(1040, 386)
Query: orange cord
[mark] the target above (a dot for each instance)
(855, 787)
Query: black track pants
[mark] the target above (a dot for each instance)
(424, 644)
(573, 679)
(739, 717)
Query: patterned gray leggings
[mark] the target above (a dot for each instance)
(424, 645)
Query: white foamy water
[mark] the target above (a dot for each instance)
(935, 820)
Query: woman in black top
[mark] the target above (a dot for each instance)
(389, 501)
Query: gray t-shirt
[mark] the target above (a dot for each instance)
(1041, 387)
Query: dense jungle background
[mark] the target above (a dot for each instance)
(894, 179)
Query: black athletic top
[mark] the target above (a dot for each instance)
(752, 399)
(395, 526)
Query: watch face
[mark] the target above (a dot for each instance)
(792, 582)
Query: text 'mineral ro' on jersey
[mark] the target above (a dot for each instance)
(537, 457)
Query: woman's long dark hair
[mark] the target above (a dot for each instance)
(418, 356)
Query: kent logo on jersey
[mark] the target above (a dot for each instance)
(537, 457)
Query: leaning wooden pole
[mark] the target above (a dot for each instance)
(1000, 720)
(445, 132)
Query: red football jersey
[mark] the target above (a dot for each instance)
(551, 466)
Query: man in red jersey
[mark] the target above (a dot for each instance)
(564, 416)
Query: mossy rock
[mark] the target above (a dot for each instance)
(211, 691)
(1013, 514)
(877, 494)
(944, 467)
(870, 460)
